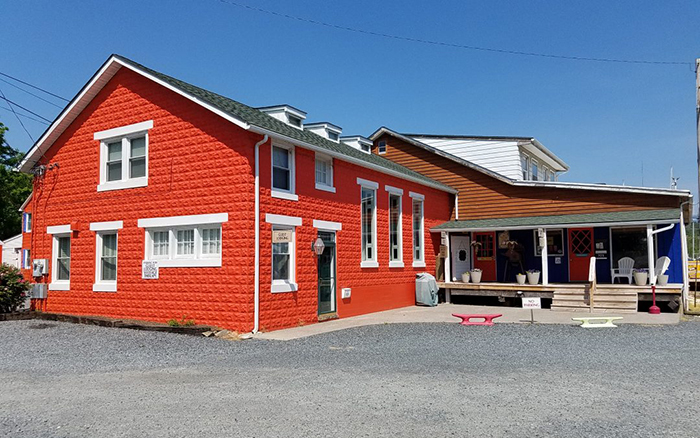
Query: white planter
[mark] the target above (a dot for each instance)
(662, 280)
(476, 277)
(520, 278)
(465, 277)
(533, 277)
(640, 278)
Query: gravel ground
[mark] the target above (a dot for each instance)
(65, 380)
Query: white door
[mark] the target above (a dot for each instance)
(460, 250)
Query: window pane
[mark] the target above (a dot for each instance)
(138, 168)
(211, 241)
(138, 147)
(114, 151)
(161, 243)
(367, 211)
(280, 157)
(64, 247)
(63, 269)
(109, 245)
(394, 217)
(534, 171)
(280, 267)
(417, 229)
(114, 171)
(280, 179)
(185, 242)
(323, 172)
(109, 268)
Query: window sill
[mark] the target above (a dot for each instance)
(418, 264)
(123, 184)
(59, 285)
(283, 287)
(188, 263)
(284, 195)
(325, 188)
(104, 287)
(369, 264)
(396, 264)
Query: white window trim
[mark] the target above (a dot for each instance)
(177, 221)
(323, 186)
(563, 252)
(418, 263)
(372, 263)
(526, 169)
(379, 148)
(533, 163)
(394, 190)
(123, 133)
(280, 193)
(55, 283)
(417, 196)
(26, 259)
(25, 228)
(106, 226)
(58, 229)
(327, 225)
(281, 286)
(396, 263)
(278, 219)
(104, 285)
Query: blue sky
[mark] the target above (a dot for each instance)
(606, 120)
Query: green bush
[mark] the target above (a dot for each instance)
(13, 288)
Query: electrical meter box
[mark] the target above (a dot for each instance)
(40, 267)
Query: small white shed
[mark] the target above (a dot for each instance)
(12, 251)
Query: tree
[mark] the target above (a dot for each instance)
(14, 188)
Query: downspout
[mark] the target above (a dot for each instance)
(256, 323)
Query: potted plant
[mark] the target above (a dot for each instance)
(533, 276)
(475, 275)
(465, 277)
(662, 279)
(520, 278)
(640, 276)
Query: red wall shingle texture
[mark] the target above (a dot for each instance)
(200, 163)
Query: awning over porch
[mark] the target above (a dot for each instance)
(564, 221)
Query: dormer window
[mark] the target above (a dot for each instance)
(295, 121)
(325, 130)
(381, 147)
(333, 136)
(286, 113)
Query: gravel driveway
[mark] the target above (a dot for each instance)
(423, 380)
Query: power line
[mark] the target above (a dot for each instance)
(25, 116)
(30, 93)
(10, 103)
(447, 44)
(18, 119)
(33, 86)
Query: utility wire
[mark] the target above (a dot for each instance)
(447, 44)
(33, 86)
(30, 93)
(18, 119)
(25, 116)
(10, 103)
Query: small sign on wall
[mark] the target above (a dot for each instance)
(281, 236)
(345, 293)
(149, 270)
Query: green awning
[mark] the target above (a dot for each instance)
(564, 220)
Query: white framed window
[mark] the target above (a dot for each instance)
(27, 222)
(60, 263)
(283, 255)
(525, 166)
(395, 231)
(26, 259)
(534, 170)
(418, 234)
(124, 156)
(106, 263)
(555, 243)
(324, 173)
(294, 120)
(381, 147)
(185, 241)
(334, 136)
(368, 220)
(283, 173)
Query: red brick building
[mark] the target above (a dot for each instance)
(142, 170)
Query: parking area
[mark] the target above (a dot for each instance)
(428, 379)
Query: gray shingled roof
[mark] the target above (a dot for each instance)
(564, 219)
(258, 118)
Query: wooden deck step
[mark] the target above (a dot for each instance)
(607, 300)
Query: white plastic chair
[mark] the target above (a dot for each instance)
(662, 265)
(624, 269)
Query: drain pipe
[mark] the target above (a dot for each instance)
(256, 323)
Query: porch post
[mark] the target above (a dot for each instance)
(650, 254)
(448, 269)
(545, 262)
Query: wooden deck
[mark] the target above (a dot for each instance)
(571, 296)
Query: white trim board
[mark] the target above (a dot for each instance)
(123, 131)
(531, 227)
(394, 190)
(367, 183)
(415, 195)
(176, 221)
(328, 225)
(278, 219)
(106, 226)
(58, 229)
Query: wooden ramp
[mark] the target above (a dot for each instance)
(605, 299)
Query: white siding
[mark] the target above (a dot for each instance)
(11, 251)
(498, 156)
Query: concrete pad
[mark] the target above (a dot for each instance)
(443, 313)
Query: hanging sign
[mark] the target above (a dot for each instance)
(149, 270)
(281, 236)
